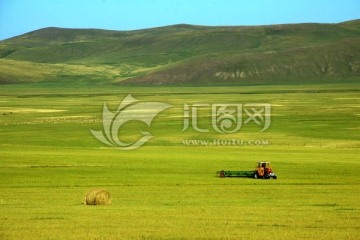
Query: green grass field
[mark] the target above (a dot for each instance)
(167, 189)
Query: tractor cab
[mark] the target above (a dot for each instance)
(263, 170)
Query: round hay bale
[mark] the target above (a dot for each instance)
(98, 197)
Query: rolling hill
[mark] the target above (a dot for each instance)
(185, 55)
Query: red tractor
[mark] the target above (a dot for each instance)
(263, 170)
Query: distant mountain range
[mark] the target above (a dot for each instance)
(185, 55)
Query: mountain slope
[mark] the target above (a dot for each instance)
(186, 54)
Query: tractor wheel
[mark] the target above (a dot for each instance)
(274, 177)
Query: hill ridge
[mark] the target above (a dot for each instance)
(186, 54)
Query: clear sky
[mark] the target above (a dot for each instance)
(21, 16)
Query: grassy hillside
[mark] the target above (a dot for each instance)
(185, 54)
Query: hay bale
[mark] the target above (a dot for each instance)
(98, 197)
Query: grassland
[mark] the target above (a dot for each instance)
(168, 190)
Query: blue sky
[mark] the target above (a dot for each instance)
(21, 16)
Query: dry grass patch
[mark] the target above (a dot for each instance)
(98, 197)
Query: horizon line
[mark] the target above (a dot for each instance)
(180, 24)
